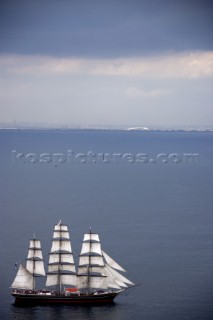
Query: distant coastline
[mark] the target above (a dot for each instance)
(130, 129)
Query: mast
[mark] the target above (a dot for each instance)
(89, 265)
(91, 273)
(61, 267)
(97, 270)
(25, 277)
(35, 262)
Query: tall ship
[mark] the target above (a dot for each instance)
(97, 278)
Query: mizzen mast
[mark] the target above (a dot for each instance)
(25, 277)
(35, 262)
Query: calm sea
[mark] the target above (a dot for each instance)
(150, 201)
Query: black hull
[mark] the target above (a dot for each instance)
(62, 299)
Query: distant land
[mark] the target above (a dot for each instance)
(46, 126)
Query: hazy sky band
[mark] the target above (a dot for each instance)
(106, 63)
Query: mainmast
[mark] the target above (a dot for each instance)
(61, 267)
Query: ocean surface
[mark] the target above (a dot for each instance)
(149, 195)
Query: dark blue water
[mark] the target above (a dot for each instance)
(153, 213)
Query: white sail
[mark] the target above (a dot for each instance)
(34, 262)
(97, 282)
(36, 267)
(34, 253)
(117, 276)
(35, 244)
(61, 267)
(65, 279)
(91, 271)
(54, 258)
(67, 257)
(122, 284)
(60, 227)
(84, 270)
(112, 282)
(62, 234)
(68, 279)
(61, 245)
(91, 237)
(112, 263)
(23, 279)
(93, 247)
(91, 260)
(52, 280)
(63, 258)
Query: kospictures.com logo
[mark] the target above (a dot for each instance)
(58, 159)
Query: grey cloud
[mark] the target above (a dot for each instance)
(112, 28)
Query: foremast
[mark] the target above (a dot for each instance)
(97, 271)
(61, 267)
(91, 275)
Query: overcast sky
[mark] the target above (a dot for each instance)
(118, 63)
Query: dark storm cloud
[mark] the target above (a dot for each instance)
(109, 28)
